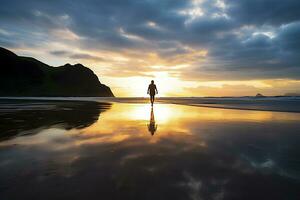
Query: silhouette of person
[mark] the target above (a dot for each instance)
(152, 127)
(152, 90)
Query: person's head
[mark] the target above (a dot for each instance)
(152, 82)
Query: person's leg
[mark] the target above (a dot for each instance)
(152, 99)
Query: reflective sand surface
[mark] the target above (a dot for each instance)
(128, 151)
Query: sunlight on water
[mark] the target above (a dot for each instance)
(178, 148)
(127, 121)
(162, 112)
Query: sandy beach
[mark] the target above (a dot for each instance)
(86, 149)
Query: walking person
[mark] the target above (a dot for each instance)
(152, 90)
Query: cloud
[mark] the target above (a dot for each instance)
(244, 40)
(245, 88)
(59, 53)
(257, 12)
(78, 56)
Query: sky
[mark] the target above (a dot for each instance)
(188, 47)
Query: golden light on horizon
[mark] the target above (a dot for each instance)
(137, 86)
(129, 122)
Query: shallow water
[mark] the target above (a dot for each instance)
(278, 104)
(87, 150)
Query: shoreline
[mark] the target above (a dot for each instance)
(282, 104)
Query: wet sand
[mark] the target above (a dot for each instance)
(278, 104)
(90, 150)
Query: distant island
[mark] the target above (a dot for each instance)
(292, 94)
(26, 76)
(258, 95)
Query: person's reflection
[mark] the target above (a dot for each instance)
(152, 127)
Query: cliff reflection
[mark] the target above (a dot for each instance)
(25, 117)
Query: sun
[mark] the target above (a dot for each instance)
(165, 83)
(136, 86)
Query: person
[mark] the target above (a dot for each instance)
(152, 90)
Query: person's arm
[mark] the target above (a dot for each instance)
(148, 89)
(156, 90)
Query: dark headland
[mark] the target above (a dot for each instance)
(25, 76)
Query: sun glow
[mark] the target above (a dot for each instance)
(162, 113)
(164, 82)
(137, 86)
(130, 121)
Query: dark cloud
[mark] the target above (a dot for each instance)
(7, 43)
(76, 55)
(258, 12)
(246, 39)
(288, 37)
(59, 53)
(86, 56)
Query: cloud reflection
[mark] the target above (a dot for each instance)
(197, 153)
